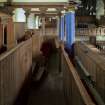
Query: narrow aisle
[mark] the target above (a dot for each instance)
(50, 92)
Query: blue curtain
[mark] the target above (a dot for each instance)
(62, 29)
(70, 29)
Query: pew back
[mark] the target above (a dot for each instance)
(94, 63)
(14, 68)
(74, 90)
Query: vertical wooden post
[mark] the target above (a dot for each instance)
(34, 21)
(37, 22)
(27, 13)
(43, 25)
(58, 21)
(58, 25)
(43, 10)
(10, 34)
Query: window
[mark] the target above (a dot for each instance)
(19, 15)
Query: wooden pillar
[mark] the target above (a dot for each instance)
(43, 25)
(43, 10)
(26, 25)
(37, 22)
(10, 34)
(27, 13)
(59, 9)
(58, 23)
(34, 21)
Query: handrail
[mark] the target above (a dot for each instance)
(94, 64)
(89, 82)
(5, 54)
(15, 67)
(82, 90)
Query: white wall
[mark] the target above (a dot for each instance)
(19, 29)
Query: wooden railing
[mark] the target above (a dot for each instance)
(94, 63)
(14, 68)
(48, 31)
(74, 90)
(51, 31)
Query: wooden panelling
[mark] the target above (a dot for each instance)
(10, 34)
(85, 19)
(74, 90)
(14, 67)
(37, 41)
(90, 31)
(48, 31)
(19, 29)
(51, 31)
(94, 64)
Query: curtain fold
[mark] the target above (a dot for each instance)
(62, 29)
(70, 29)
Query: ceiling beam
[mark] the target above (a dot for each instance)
(38, 5)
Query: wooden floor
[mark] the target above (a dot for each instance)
(50, 91)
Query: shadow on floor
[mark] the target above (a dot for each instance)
(50, 92)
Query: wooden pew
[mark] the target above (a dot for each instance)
(94, 63)
(37, 41)
(14, 68)
(90, 31)
(74, 90)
